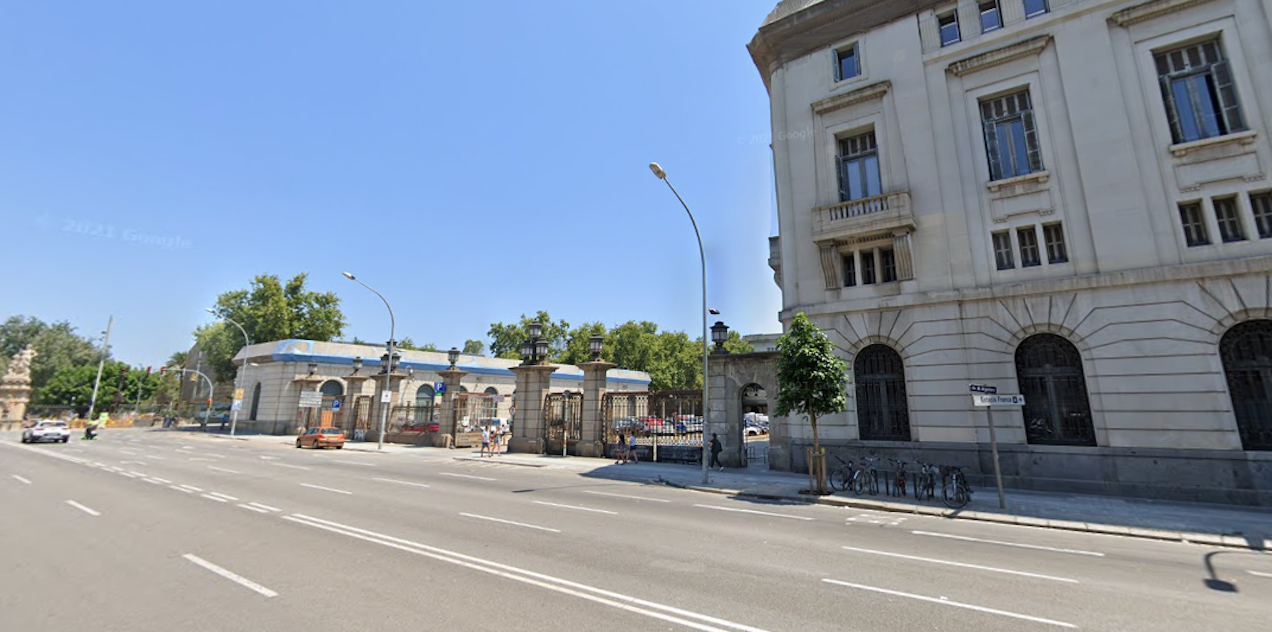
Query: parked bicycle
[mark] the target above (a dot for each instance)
(898, 483)
(956, 492)
(925, 481)
(866, 479)
(841, 478)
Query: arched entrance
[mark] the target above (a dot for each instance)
(422, 413)
(755, 424)
(256, 402)
(1057, 410)
(1246, 351)
(882, 411)
(331, 391)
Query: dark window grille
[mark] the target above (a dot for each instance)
(859, 167)
(850, 270)
(256, 401)
(867, 267)
(1002, 251)
(882, 413)
(1261, 203)
(1054, 236)
(1194, 225)
(1229, 220)
(1057, 410)
(1246, 351)
(889, 260)
(1028, 239)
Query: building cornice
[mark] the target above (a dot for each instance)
(1149, 10)
(1029, 48)
(869, 93)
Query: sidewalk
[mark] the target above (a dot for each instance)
(1220, 525)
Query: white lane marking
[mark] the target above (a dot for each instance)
(127, 462)
(328, 489)
(251, 508)
(225, 496)
(270, 458)
(20, 479)
(138, 474)
(264, 506)
(298, 467)
(962, 565)
(956, 604)
(480, 478)
(1015, 544)
(181, 489)
(154, 456)
(161, 480)
(128, 474)
(754, 511)
(612, 513)
(193, 488)
(652, 500)
(353, 463)
(519, 524)
(390, 480)
(203, 459)
(598, 595)
(238, 579)
(154, 481)
(83, 508)
(1258, 574)
(221, 469)
(210, 497)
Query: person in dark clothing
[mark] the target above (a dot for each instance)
(716, 449)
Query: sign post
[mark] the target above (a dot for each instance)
(988, 397)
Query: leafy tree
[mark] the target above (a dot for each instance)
(178, 359)
(409, 345)
(473, 347)
(506, 339)
(811, 381)
(57, 347)
(577, 346)
(73, 386)
(735, 343)
(268, 310)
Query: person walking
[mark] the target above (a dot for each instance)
(631, 449)
(620, 452)
(485, 440)
(716, 449)
(496, 440)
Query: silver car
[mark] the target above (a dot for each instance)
(47, 431)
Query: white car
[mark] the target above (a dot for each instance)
(47, 431)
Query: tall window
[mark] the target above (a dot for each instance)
(1194, 224)
(991, 18)
(1053, 234)
(847, 63)
(256, 401)
(1011, 140)
(1057, 411)
(1002, 251)
(850, 270)
(1027, 237)
(882, 413)
(948, 24)
(424, 403)
(867, 267)
(858, 167)
(1246, 351)
(1262, 205)
(1035, 8)
(888, 263)
(1229, 220)
(1200, 96)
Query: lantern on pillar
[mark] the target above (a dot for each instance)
(719, 335)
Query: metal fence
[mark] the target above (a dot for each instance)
(667, 424)
(563, 415)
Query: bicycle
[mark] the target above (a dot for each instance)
(956, 492)
(898, 485)
(841, 478)
(925, 481)
(866, 478)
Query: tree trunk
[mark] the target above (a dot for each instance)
(818, 465)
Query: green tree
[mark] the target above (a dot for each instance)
(73, 386)
(473, 347)
(506, 339)
(268, 310)
(577, 347)
(57, 347)
(735, 343)
(811, 381)
(410, 345)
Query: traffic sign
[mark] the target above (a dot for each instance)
(238, 393)
(439, 387)
(983, 388)
(236, 405)
(386, 397)
(310, 399)
(335, 404)
(999, 400)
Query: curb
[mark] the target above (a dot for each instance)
(484, 459)
(1213, 539)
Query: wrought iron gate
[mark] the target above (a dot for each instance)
(667, 424)
(562, 416)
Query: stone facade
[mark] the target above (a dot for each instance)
(1072, 205)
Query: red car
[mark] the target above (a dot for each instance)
(321, 438)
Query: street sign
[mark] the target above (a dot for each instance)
(238, 393)
(236, 405)
(335, 404)
(439, 387)
(310, 399)
(499, 398)
(999, 400)
(386, 397)
(983, 388)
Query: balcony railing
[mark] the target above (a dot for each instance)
(863, 216)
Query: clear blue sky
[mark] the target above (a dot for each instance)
(470, 160)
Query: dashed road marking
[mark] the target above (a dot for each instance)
(602, 511)
(238, 579)
(91, 512)
(518, 524)
(961, 564)
(328, 489)
(754, 511)
(946, 602)
(20, 479)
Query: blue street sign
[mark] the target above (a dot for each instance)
(335, 404)
(439, 387)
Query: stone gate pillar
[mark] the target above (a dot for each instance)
(533, 384)
(592, 438)
(451, 378)
(378, 405)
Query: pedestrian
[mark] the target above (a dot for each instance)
(496, 440)
(716, 449)
(485, 440)
(620, 453)
(631, 448)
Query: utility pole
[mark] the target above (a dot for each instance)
(92, 403)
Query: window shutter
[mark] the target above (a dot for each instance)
(834, 61)
(991, 151)
(843, 181)
(1228, 97)
(1031, 142)
(1172, 113)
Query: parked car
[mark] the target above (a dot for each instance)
(47, 430)
(421, 426)
(321, 438)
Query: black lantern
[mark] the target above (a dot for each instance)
(594, 345)
(719, 335)
(313, 368)
(357, 364)
(527, 348)
(536, 329)
(452, 356)
(541, 350)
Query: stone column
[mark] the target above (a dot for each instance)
(349, 407)
(533, 384)
(451, 378)
(592, 438)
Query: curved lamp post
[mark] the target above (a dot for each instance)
(662, 175)
(388, 371)
(243, 382)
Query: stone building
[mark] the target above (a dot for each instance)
(1068, 199)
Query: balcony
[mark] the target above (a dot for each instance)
(873, 216)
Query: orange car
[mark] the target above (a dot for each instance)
(321, 438)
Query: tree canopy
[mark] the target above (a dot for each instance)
(811, 378)
(57, 348)
(73, 386)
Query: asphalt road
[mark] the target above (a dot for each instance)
(154, 530)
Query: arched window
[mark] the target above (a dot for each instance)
(1057, 410)
(332, 388)
(256, 401)
(882, 414)
(490, 390)
(1246, 351)
(424, 403)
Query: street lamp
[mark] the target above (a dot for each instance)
(702, 254)
(534, 350)
(594, 345)
(719, 335)
(452, 356)
(388, 371)
(242, 383)
(357, 364)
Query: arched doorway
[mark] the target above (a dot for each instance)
(423, 412)
(755, 425)
(882, 411)
(256, 402)
(1246, 351)
(1057, 410)
(330, 415)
